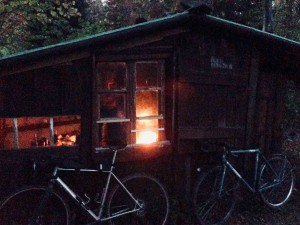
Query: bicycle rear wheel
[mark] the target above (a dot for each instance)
(211, 208)
(149, 192)
(21, 208)
(276, 181)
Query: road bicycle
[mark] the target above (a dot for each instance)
(136, 199)
(215, 193)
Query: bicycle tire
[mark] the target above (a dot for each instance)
(276, 189)
(210, 208)
(149, 191)
(20, 206)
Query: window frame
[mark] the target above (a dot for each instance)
(130, 103)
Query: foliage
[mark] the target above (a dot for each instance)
(27, 24)
(120, 13)
(287, 19)
(51, 21)
(245, 12)
(292, 117)
(12, 25)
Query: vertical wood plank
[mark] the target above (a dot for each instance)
(253, 79)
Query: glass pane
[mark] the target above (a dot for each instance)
(6, 133)
(112, 134)
(147, 103)
(33, 132)
(111, 76)
(67, 130)
(112, 105)
(147, 74)
(146, 132)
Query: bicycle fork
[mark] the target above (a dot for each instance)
(220, 192)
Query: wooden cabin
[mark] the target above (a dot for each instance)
(161, 87)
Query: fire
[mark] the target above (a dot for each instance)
(145, 134)
(146, 137)
(147, 112)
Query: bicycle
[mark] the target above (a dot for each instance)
(215, 193)
(136, 199)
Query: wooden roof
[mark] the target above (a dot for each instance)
(182, 22)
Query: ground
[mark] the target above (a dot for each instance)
(250, 209)
(249, 212)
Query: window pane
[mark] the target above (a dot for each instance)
(111, 76)
(146, 131)
(147, 103)
(36, 132)
(33, 132)
(112, 105)
(112, 134)
(6, 133)
(67, 130)
(147, 74)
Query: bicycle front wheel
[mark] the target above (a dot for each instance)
(276, 181)
(23, 207)
(211, 206)
(152, 198)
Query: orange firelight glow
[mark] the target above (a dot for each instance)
(145, 134)
(146, 137)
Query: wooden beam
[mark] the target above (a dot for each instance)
(204, 133)
(142, 40)
(40, 63)
(228, 80)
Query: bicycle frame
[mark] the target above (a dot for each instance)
(98, 217)
(226, 164)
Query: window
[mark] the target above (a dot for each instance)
(112, 97)
(130, 102)
(148, 101)
(29, 132)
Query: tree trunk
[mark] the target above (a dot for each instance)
(268, 17)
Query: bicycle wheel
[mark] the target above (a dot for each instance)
(276, 181)
(20, 208)
(211, 208)
(149, 192)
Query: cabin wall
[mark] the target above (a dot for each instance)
(30, 99)
(270, 110)
(212, 90)
(225, 93)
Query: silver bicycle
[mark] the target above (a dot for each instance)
(215, 193)
(136, 199)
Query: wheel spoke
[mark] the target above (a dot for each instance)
(276, 181)
(211, 206)
(24, 207)
(149, 193)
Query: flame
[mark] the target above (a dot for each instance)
(146, 137)
(146, 105)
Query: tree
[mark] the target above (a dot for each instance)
(120, 13)
(28, 24)
(13, 25)
(244, 12)
(268, 16)
(287, 18)
(51, 21)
